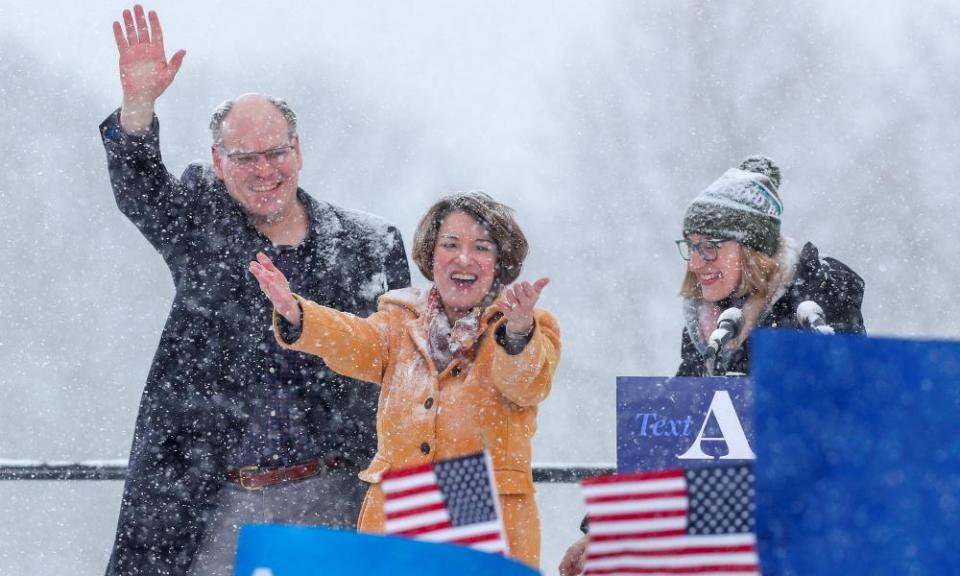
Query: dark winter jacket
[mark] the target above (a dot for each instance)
(828, 282)
(211, 353)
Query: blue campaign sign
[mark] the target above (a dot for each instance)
(858, 456)
(665, 423)
(272, 550)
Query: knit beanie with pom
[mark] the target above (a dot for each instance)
(741, 205)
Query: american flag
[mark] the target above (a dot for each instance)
(673, 522)
(452, 501)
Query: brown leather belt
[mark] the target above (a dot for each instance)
(255, 478)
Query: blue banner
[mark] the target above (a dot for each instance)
(271, 550)
(666, 423)
(858, 456)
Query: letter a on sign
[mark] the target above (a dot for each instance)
(731, 432)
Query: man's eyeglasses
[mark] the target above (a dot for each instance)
(708, 249)
(273, 156)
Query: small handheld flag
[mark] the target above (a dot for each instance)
(452, 501)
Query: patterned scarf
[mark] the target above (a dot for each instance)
(449, 342)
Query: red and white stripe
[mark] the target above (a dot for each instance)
(414, 507)
(638, 525)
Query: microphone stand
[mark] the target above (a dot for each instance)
(711, 363)
(728, 327)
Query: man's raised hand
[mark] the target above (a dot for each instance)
(145, 72)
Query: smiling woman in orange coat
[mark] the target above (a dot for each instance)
(462, 365)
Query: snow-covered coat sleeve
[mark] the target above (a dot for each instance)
(352, 346)
(395, 263)
(525, 378)
(834, 286)
(156, 201)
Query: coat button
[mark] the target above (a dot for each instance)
(429, 403)
(425, 448)
(456, 370)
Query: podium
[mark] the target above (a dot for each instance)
(858, 455)
(665, 423)
(856, 446)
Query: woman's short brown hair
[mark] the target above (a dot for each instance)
(497, 218)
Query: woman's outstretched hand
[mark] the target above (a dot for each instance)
(275, 286)
(517, 302)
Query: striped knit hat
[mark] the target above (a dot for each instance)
(741, 205)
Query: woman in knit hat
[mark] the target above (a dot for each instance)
(738, 259)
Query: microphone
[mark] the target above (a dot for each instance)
(728, 326)
(810, 317)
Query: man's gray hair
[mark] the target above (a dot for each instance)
(220, 114)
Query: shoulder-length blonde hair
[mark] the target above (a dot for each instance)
(759, 278)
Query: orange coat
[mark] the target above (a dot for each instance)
(424, 415)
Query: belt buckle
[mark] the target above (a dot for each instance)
(240, 477)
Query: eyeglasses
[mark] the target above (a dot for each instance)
(273, 156)
(708, 249)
